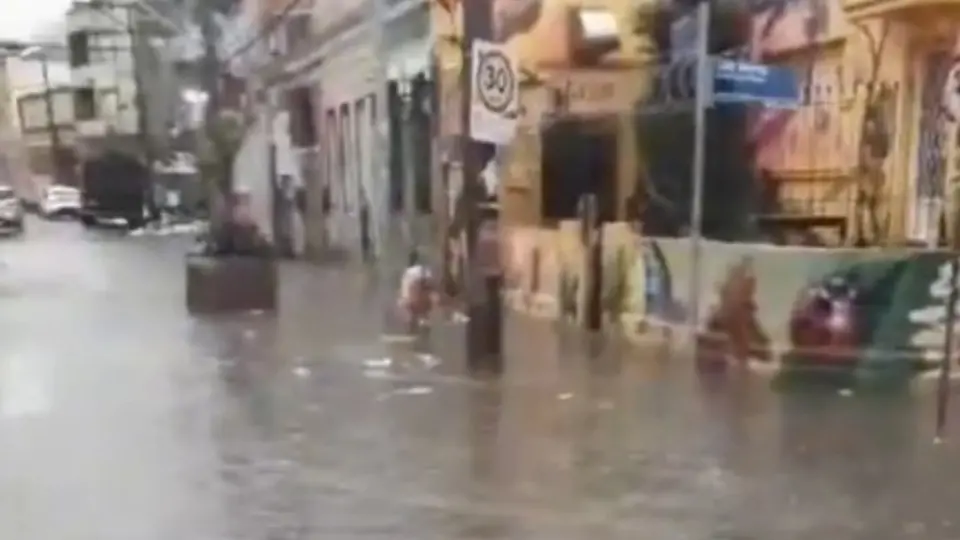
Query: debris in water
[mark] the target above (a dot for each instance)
(429, 361)
(459, 318)
(301, 371)
(378, 363)
(249, 334)
(846, 392)
(564, 396)
(411, 391)
(416, 391)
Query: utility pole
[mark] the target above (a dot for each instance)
(211, 86)
(409, 170)
(55, 145)
(143, 116)
(379, 202)
(702, 100)
(40, 53)
(483, 309)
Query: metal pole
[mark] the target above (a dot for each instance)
(482, 332)
(378, 191)
(409, 186)
(143, 120)
(55, 156)
(949, 340)
(701, 103)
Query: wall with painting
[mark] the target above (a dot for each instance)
(856, 316)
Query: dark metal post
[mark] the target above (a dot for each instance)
(55, 146)
(592, 241)
(949, 341)
(140, 105)
(484, 348)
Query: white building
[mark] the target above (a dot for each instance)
(123, 53)
(102, 61)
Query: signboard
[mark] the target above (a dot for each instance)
(745, 82)
(494, 95)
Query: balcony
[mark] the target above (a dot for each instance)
(921, 12)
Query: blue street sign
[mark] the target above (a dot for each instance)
(745, 82)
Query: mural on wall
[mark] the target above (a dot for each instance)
(852, 316)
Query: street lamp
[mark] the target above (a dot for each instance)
(38, 52)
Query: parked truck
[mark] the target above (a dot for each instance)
(114, 186)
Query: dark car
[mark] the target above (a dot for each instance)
(115, 186)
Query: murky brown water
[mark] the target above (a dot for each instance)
(122, 418)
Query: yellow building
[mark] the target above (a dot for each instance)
(579, 59)
(874, 146)
(870, 156)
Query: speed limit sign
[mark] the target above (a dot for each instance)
(495, 94)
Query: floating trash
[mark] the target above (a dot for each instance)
(564, 396)
(378, 363)
(846, 392)
(429, 361)
(415, 391)
(301, 371)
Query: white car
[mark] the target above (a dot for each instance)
(11, 211)
(60, 201)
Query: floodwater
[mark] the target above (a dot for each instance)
(122, 417)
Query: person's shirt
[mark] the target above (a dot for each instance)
(413, 281)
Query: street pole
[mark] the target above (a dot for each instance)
(483, 332)
(949, 342)
(702, 100)
(378, 192)
(55, 146)
(409, 186)
(143, 120)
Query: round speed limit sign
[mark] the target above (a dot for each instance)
(495, 83)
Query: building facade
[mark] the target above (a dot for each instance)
(129, 69)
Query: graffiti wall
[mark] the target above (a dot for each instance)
(871, 314)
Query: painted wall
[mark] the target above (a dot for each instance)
(863, 315)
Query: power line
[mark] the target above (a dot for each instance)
(265, 30)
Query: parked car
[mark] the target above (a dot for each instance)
(60, 201)
(11, 211)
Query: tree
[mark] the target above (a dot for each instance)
(665, 139)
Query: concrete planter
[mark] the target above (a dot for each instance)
(230, 284)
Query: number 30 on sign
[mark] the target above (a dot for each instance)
(495, 94)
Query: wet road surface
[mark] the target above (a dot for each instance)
(123, 418)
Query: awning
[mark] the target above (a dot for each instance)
(410, 59)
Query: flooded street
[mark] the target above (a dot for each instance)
(123, 418)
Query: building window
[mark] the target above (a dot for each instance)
(300, 106)
(79, 43)
(85, 104)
